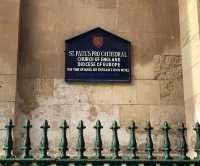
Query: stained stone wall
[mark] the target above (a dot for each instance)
(9, 27)
(190, 47)
(156, 94)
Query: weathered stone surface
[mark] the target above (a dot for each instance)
(35, 87)
(8, 47)
(43, 87)
(148, 92)
(95, 94)
(171, 92)
(138, 113)
(167, 67)
(143, 71)
(114, 94)
(6, 112)
(2, 139)
(7, 88)
(171, 113)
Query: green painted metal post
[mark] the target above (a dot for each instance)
(166, 146)
(80, 146)
(115, 141)
(98, 160)
(182, 145)
(8, 145)
(44, 144)
(63, 145)
(26, 147)
(98, 147)
(197, 143)
(132, 146)
(149, 143)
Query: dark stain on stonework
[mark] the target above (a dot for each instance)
(93, 114)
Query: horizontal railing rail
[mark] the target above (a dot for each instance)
(98, 159)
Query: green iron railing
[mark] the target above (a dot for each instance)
(98, 159)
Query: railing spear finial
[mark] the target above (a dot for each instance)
(26, 147)
(98, 142)
(182, 145)
(63, 145)
(80, 146)
(115, 142)
(166, 146)
(44, 144)
(132, 146)
(197, 143)
(149, 143)
(8, 146)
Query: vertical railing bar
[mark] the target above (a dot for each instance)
(80, 146)
(115, 141)
(98, 147)
(26, 147)
(132, 146)
(8, 145)
(63, 145)
(44, 144)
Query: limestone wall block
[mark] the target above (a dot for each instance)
(148, 92)
(138, 113)
(170, 113)
(167, 67)
(7, 88)
(171, 92)
(6, 112)
(8, 47)
(123, 94)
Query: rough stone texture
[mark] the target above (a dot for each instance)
(167, 67)
(7, 88)
(42, 92)
(6, 112)
(94, 93)
(171, 92)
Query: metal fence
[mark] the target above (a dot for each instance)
(98, 159)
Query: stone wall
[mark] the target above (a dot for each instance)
(190, 46)
(9, 27)
(156, 94)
